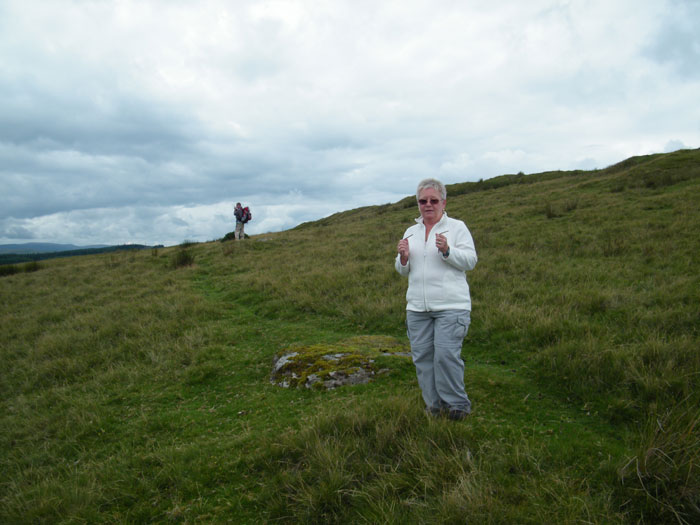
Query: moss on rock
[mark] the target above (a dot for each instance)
(327, 366)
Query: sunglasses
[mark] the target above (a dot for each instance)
(423, 202)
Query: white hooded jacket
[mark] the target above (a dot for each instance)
(435, 282)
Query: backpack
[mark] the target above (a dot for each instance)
(246, 214)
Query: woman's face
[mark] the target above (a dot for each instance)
(431, 205)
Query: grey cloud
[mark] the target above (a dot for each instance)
(149, 126)
(674, 145)
(677, 41)
(179, 222)
(324, 139)
(127, 127)
(9, 229)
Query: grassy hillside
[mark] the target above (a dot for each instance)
(20, 256)
(135, 386)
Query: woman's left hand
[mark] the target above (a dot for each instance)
(441, 243)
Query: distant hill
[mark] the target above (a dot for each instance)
(44, 247)
(22, 252)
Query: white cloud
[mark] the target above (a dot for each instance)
(143, 121)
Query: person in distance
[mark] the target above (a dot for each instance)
(241, 218)
(434, 254)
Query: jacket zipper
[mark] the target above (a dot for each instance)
(425, 262)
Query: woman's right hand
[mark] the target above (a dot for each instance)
(403, 251)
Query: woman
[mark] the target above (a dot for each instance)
(434, 254)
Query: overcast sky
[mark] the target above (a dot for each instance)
(137, 121)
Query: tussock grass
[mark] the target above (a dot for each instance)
(11, 269)
(182, 258)
(664, 470)
(389, 462)
(134, 392)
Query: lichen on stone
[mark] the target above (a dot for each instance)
(328, 366)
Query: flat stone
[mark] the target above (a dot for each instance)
(329, 366)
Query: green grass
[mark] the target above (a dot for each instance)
(136, 386)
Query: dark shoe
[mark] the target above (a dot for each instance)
(457, 415)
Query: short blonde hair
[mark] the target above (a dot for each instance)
(434, 184)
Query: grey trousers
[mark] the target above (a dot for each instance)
(436, 347)
(238, 234)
